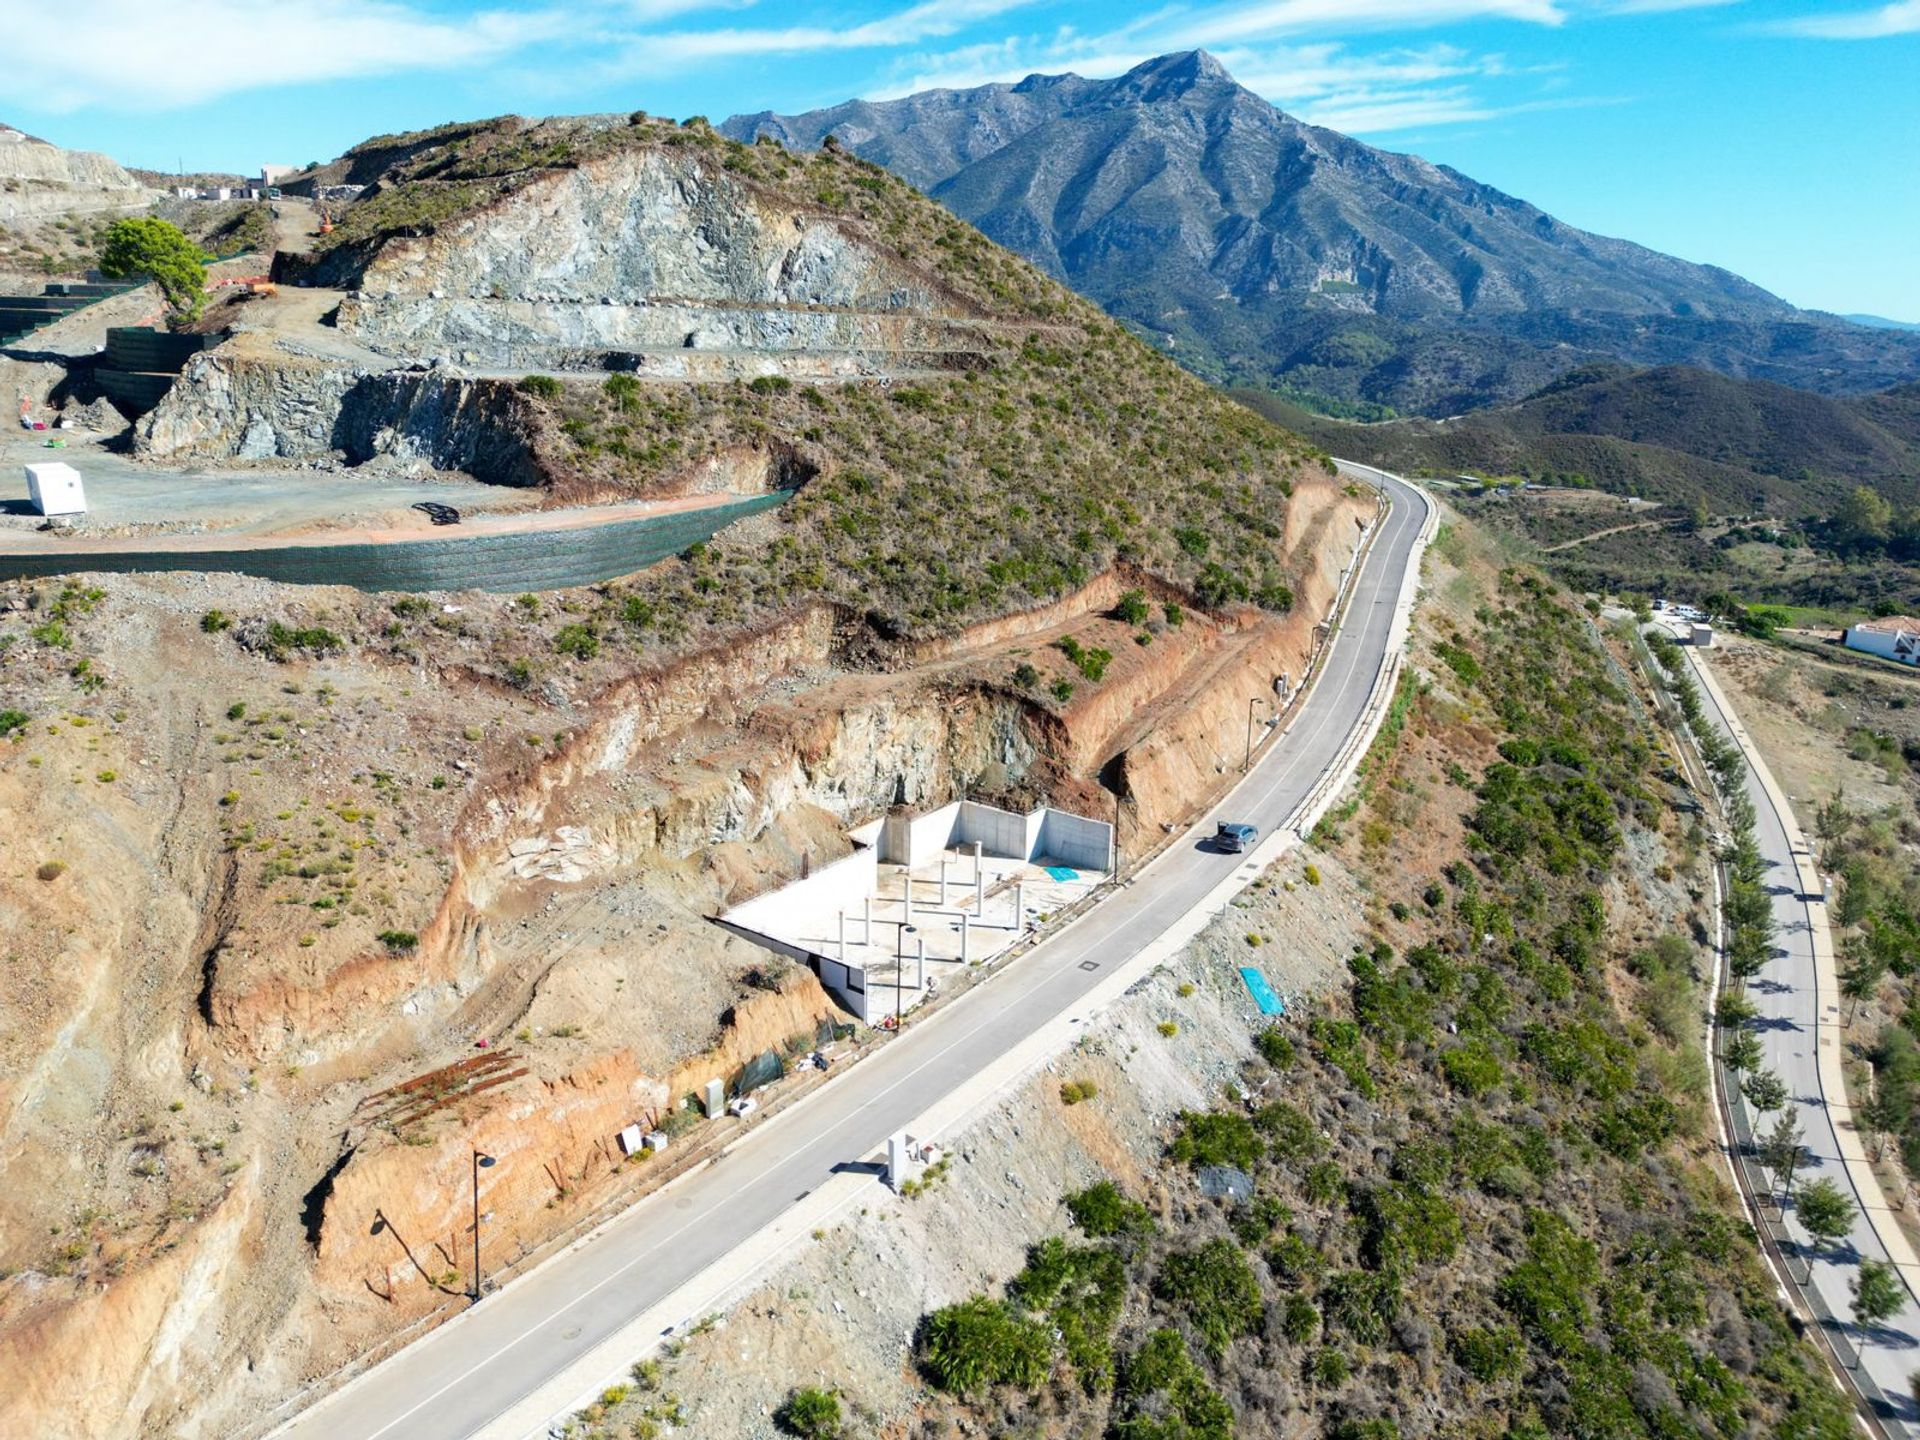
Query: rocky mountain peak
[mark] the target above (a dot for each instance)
(1171, 77)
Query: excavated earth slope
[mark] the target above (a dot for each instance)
(306, 892)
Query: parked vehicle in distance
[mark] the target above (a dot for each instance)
(1235, 838)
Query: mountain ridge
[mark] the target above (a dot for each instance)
(1257, 247)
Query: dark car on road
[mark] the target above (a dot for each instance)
(1234, 838)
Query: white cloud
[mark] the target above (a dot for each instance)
(1281, 17)
(655, 53)
(135, 53)
(1900, 18)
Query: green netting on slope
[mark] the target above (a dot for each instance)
(534, 560)
(761, 1070)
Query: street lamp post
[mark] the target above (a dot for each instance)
(900, 966)
(480, 1162)
(1252, 701)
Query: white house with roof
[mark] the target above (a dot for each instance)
(1895, 638)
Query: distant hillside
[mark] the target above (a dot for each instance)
(1669, 433)
(1880, 322)
(1258, 248)
(39, 180)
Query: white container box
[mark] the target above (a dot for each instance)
(54, 489)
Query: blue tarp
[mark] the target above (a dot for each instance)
(1261, 991)
(1063, 872)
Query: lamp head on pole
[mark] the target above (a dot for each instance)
(483, 1161)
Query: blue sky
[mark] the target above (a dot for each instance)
(1777, 139)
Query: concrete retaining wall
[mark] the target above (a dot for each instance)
(1075, 840)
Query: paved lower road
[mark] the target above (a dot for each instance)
(1792, 1030)
(453, 1382)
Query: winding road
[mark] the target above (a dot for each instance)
(463, 1378)
(1799, 1024)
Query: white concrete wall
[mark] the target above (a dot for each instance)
(1001, 833)
(1884, 643)
(932, 833)
(920, 840)
(846, 984)
(1075, 840)
(843, 885)
(1030, 839)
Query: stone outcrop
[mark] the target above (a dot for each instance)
(636, 258)
(248, 402)
(38, 179)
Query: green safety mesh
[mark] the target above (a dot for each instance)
(761, 1070)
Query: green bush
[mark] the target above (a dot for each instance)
(1102, 1211)
(1549, 1290)
(621, 390)
(12, 721)
(1472, 1068)
(214, 621)
(281, 640)
(1274, 1047)
(1133, 607)
(980, 1342)
(1290, 1131)
(1361, 1302)
(1163, 1396)
(1216, 1289)
(541, 387)
(582, 642)
(1490, 1353)
(810, 1414)
(1216, 1137)
(398, 940)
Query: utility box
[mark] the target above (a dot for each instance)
(631, 1140)
(1703, 636)
(54, 489)
(714, 1099)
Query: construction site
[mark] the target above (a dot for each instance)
(922, 897)
(532, 687)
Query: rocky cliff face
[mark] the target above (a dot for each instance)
(644, 250)
(248, 401)
(38, 179)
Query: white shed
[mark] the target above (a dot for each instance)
(54, 489)
(1702, 635)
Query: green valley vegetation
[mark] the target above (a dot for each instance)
(1479, 1205)
(1769, 494)
(1673, 434)
(1877, 933)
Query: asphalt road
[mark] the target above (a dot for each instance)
(1789, 1025)
(451, 1383)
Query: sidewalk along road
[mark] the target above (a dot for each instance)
(1799, 1029)
(451, 1383)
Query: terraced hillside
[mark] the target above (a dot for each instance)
(278, 855)
(966, 435)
